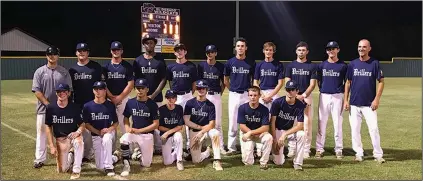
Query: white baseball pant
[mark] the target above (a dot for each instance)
(247, 148)
(103, 150)
(269, 105)
(175, 141)
(145, 142)
(330, 104)
(119, 111)
(356, 114)
(88, 144)
(64, 160)
(235, 100)
(308, 126)
(299, 139)
(197, 155)
(216, 99)
(182, 100)
(156, 136)
(40, 144)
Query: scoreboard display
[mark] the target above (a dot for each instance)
(162, 23)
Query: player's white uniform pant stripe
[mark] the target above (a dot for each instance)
(182, 100)
(356, 114)
(217, 101)
(308, 126)
(40, 145)
(299, 139)
(269, 105)
(247, 148)
(235, 100)
(330, 104)
(103, 150)
(63, 160)
(196, 154)
(175, 141)
(145, 142)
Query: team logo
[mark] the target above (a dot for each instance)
(291, 83)
(98, 83)
(116, 44)
(381, 73)
(331, 43)
(200, 83)
(61, 85)
(82, 45)
(210, 46)
(140, 82)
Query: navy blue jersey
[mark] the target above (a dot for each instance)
(118, 76)
(202, 112)
(269, 73)
(99, 115)
(286, 113)
(83, 78)
(240, 73)
(332, 77)
(301, 73)
(253, 118)
(63, 120)
(213, 74)
(363, 76)
(171, 118)
(153, 70)
(143, 113)
(182, 76)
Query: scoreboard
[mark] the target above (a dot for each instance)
(162, 23)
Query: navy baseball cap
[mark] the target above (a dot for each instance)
(291, 85)
(62, 87)
(179, 46)
(141, 83)
(170, 93)
(148, 37)
(211, 48)
(99, 84)
(82, 46)
(332, 44)
(116, 45)
(201, 84)
(52, 51)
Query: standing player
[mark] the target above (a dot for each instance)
(45, 79)
(285, 111)
(100, 119)
(238, 72)
(331, 73)
(63, 120)
(152, 68)
(145, 120)
(182, 76)
(170, 125)
(270, 74)
(200, 116)
(212, 71)
(304, 73)
(83, 75)
(362, 74)
(253, 119)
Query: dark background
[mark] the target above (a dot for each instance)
(394, 28)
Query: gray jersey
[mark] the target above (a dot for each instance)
(45, 79)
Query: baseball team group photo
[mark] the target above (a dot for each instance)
(164, 116)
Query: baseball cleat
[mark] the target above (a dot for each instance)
(339, 155)
(110, 172)
(298, 167)
(319, 154)
(217, 165)
(180, 165)
(263, 166)
(38, 165)
(380, 160)
(358, 158)
(222, 151)
(75, 176)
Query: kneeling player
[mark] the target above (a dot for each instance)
(200, 116)
(285, 110)
(170, 123)
(101, 120)
(253, 120)
(143, 111)
(64, 118)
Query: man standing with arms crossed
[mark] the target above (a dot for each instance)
(45, 79)
(332, 74)
(212, 71)
(304, 73)
(362, 74)
(238, 72)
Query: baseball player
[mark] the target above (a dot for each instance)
(152, 68)
(182, 76)
(304, 73)
(144, 114)
(253, 119)
(212, 71)
(100, 119)
(331, 76)
(200, 116)
(45, 79)
(83, 74)
(269, 76)
(285, 112)
(238, 72)
(362, 74)
(64, 122)
(170, 125)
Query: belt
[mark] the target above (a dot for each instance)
(213, 93)
(182, 92)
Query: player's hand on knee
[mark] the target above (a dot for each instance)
(73, 135)
(104, 131)
(197, 137)
(246, 136)
(164, 138)
(281, 141)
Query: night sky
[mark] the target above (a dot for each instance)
(394, 28)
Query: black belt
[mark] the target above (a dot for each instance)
(213, 93)
(182, 92)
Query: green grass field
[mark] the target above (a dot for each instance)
(400, 126)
